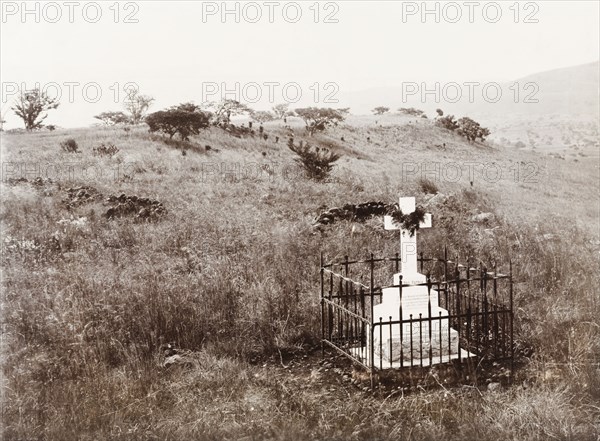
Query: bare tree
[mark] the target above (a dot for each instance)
(281, 110)
(262, 116)
(137, 105)
(31, 107)
(225, 109)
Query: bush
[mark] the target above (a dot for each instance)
(108, 149)
(428, 186)
(471, 129)
(465, 126)
(69, 145)
(317, 162)
(447, 122)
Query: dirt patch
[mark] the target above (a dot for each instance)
(334, 371)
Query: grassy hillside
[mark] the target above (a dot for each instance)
(230, 273)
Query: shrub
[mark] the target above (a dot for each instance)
(471, 129)
(447, 122)
(317, 162)
(428, 186)
(108, 149)
(69, 145)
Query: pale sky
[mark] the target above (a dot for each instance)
(176, 50)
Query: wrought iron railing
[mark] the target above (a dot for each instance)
(468, 315)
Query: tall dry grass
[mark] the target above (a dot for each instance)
(231, 273)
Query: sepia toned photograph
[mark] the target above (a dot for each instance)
(311, 220)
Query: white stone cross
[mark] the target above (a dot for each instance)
(408, 243)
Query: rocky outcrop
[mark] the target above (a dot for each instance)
(355, 212)
(77, 196)
(134, 206)
(176, 357)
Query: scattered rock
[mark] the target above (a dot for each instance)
(78, 223)
(176, 357)
(357, 229)
(16, 181)
(77, 196)
(493, 387)
(178, 360)
(483, 218)
(39, 183)
(192, 260)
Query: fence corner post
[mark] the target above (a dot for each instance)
(322, 272)
(512, 319)
(372, 321)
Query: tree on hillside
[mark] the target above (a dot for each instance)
(137, 105)
(113, 118)
(185, 119)
(262, 116)
(31, 105)
(318, 119)
(345, 111)
(380, 110)
(318, 162)
(281, 110)
(411, 111)
(2, 121)
(471, 129)
(223, 110)
(447, 122)
(439, 112)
